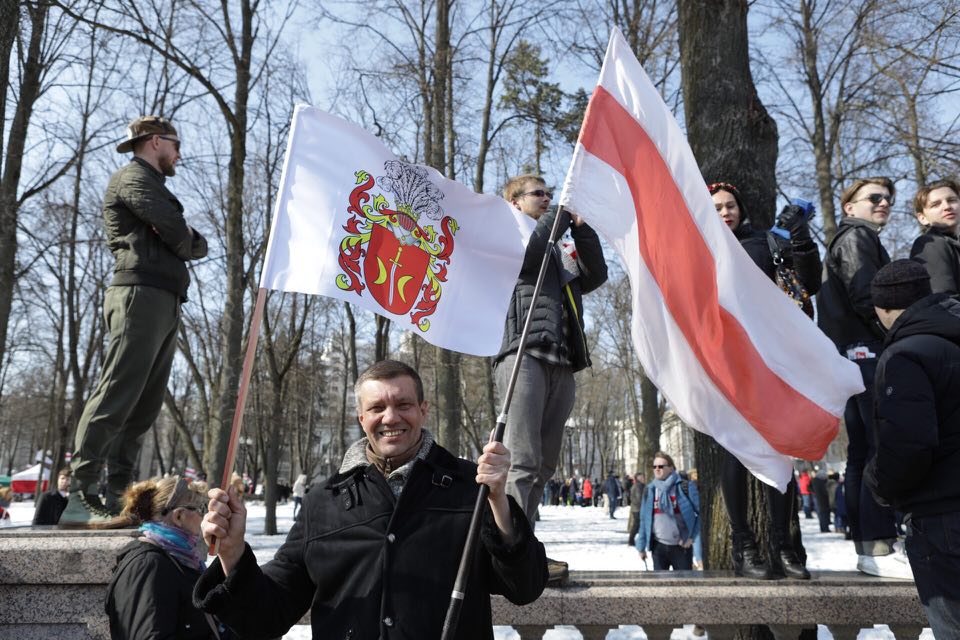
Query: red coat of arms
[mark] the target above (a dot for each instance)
(394, 252)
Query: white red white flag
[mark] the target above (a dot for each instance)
(355, 222)
(732, 354)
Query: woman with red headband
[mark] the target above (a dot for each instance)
(791, 251)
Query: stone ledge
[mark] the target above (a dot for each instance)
(53, 584)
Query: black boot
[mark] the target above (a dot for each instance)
(747, 561)
(786, 563)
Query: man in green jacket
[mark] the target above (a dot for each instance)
(151, 242)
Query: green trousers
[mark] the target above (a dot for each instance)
(143, 323)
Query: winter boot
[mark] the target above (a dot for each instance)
(747, 561)
(784, 560)
(85, 511)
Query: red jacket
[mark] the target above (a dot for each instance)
(804, 482)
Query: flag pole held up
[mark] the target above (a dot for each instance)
(466, 558)
(252, 339)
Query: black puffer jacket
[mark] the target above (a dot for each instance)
(939, 252)
(146, 231)
(917, 465)
(368, 565)
(804, 258)
(149, 597)
(547, 328)
(844, 306)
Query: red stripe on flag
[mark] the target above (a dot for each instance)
(683, 266)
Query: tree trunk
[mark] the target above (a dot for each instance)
(732, 136)
(232, 321)
(652, 420)
(29, 91)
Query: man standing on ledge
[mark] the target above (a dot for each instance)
(151, 242)
(556, 348)
(376, 548)
(846, 314)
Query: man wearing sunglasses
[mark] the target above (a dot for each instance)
(557, 345)
(846, 314)
(151, 243)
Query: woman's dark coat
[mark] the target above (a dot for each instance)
(149, 597)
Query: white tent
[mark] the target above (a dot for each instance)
(26, 481)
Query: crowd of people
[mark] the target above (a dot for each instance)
(398, 495)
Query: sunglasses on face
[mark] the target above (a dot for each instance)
(175, 141)
(660, 466)
(877, 198)
(198, 510)
(539, 193)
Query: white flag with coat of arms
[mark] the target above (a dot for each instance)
(355, 222)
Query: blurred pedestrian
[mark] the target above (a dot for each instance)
(612, 489)
(52, 503)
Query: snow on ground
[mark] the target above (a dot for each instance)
(586, 538)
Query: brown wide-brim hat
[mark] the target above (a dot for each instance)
(144, 127)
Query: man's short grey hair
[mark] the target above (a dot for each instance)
(388, 370)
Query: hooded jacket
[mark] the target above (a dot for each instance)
(556, 301)
(146, 232)
(149, 597)
(370, 565)
(917, 465)
(844, 305)
(939, 252)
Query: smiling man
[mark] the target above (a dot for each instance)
(375, 551)
(845, 312)
(937, 207)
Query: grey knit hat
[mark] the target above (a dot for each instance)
(899, 284)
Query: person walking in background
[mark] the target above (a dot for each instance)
(565, 493)
(821, 497)
(299, 491)
(840, 523)
(636, 499)
(845, 312)
(612, 489)
(803, 483)
(587, 493)
(52, 503)
(151, 244)
(669, 518)
(916, 469)
(833, 479)
(937, 207)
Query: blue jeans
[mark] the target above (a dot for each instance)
(872, 527)
(807, 505)
(933, 546)
(542, 400)
(667, 556)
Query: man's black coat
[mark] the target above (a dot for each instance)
(369, 565)
(917, 465)
(939, 252)
(844, 305)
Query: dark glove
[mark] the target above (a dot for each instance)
(794, 218)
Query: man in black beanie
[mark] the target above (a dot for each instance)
(916, 468)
